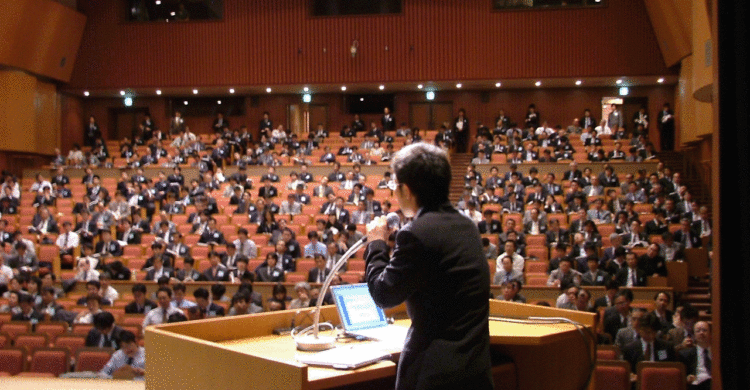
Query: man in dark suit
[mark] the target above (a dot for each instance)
(217, 272)
(697, 359)
(28, 313)
(448, 342)
(207, 309)
(140, 304)
(686, 236)
(104, 334)
(461, 130)
(616, 317)
(632, 275)
(648, 347)
(319, 273)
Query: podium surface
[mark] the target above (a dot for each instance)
(242, 352)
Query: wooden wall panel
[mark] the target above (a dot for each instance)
(40, 36)
(275, 42)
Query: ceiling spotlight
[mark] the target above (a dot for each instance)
(86, 93)
(618, 82)
(661, 80)
(579, 82)
(268, 90)
(231, 90)
(195, 92)
(538, 83)
(381, 87)
(459, 85)
(497, 85)
(420, 86)
(361, 99)
(343, 87)
(306, 89)
(158, 91)
(122, 93)
(185, 102)
(218, 102)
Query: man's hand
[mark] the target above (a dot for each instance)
(377, 229)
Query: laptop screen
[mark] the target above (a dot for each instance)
(356, 308)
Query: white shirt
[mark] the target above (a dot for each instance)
(119, 359)
(246, 248)
(85, 276)
(6, 274)
(111, 294)
(156, 316)
(701, 374)
(72, 240)
(517, 262)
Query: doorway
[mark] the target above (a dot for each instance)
(430, 115)
(123, 122)
(303, 118)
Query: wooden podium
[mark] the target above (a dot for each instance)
(242, 352)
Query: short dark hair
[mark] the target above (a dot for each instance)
(627, 293)
(127, 337)
(94, 283)
(138, 287)
(425, 169)
(218, 290)
(179, 286)
(649, 321)
(103, 320)
(166, 290)
(200, 292)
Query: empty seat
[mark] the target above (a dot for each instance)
(14, 328)
(51, 360)
(72, 342)
(31, 341)
(661, 376)
(92, 359)
(295, 277)
(607, 352)
(12, 360)
(52, 329)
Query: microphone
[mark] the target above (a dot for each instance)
(303, 339)
(392, 220)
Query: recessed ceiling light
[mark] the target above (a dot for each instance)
(231, 90)
(618, 82)
(306, 89)
(498, 85)
(268, 89)
(361, 99)
(86, 93)
(459, 85)
(218, 102)
(185, 102)
(381, 87)
(122, 93)
(343, 87)
(195, 92)
(420, 86)
(158, 2)
(172, 13)
(538, 83)
(158, 91)
(579, 82)
(661, 80)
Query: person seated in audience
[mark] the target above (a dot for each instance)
(302, 289)
(107, 246)
(670, 249)
(510, 252)
(241, 304)
(188, 273)
(628, 334)
(140, 304)
(290, 206)
(158, 270)
(489, 225)
(490, 249)
(106, 291)
(157, 252)
(506, 272)
(24, 260)
(567, 299)
(652, 263)
(278, 300)
(45, 198)
(320, 272)
(92, 308)
(511, 292)
(634, 238)
(472, 212)
(27, 312)
(648, 347)
(217, 272)
(594, 276)
(662, 299)
(104, 334)
(85, 272)
(269, 272)
(632, 275)
(207, 309)
(564, 274)
(686, 236)
(43, 222)
(535, 224)
(48, 305)
(129, 362)
(616, 316)
(697, 359)
(211, 234)
(127, 235)
(13, 305)
(583, 301)
(681, 335)
(163, 311)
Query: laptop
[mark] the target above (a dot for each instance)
(361, 317)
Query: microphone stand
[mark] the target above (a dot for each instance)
(315, 343)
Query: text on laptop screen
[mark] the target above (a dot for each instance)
(357, 309)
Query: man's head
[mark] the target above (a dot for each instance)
(623, 298)
(647, 327)
(702, 331)
(201, 297)
(164, 297)
(93, 286)
(511, 289)
(632, 260)
(423, 173)
(139, 293)
(104, 322)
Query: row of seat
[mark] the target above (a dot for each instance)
(51, 361)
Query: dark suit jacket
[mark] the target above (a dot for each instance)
(132, 307)
(151, 272)
(312, 275)
(689, 356)
(448, 342)
(622, 277)
(633, 352)
(613, 322)
(222, 274)
(695, 240)
(95, 337)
